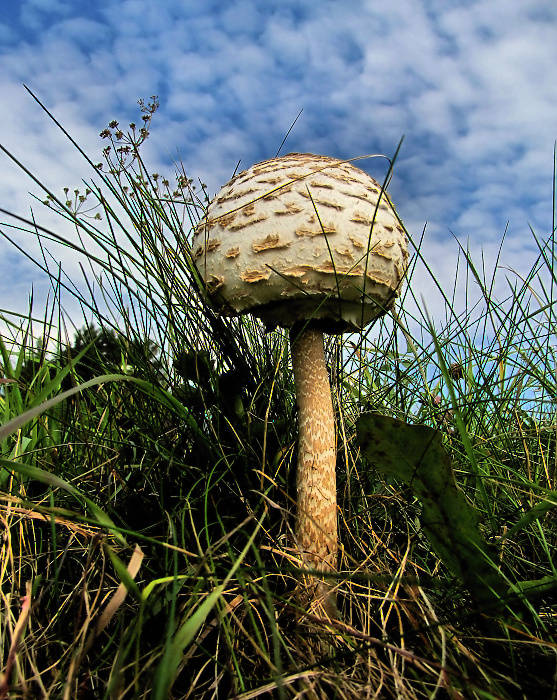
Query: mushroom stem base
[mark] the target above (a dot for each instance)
(316, 518)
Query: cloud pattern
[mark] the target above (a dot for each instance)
(470, 85)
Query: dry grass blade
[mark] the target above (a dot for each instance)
(118, 597)
(16, 638)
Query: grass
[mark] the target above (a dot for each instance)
(147, 482)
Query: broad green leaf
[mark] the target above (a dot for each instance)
(538, 587)
(414, 454)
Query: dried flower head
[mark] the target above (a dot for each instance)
(456, 371)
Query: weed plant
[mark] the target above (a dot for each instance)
(147, 481)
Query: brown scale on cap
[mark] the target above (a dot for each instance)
(274, 260)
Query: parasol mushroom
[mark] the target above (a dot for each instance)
(313, 244)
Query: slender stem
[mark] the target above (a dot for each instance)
(316, 518)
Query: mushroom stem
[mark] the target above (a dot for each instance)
(316, 519)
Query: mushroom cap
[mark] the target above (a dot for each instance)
(304, 238)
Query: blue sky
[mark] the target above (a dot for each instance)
(471, 86)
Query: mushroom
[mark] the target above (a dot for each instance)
(313, 244)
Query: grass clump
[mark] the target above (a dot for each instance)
(147, 478)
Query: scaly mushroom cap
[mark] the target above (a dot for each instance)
(302, 237)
